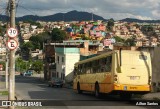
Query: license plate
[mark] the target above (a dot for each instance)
(125, 87)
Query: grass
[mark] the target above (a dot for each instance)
(4, 93)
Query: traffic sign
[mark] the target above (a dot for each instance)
(12, 32)
(12, 44)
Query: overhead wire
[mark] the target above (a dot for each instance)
(17, 4)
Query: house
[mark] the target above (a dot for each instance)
(65, 62)
(34, 54)
(85, 47)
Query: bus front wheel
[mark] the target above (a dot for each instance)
(79, 89)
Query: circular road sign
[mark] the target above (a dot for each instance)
(12, 32)
(12, 44)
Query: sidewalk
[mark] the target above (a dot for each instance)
(152, 96)
(2, 97)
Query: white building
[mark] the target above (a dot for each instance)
(65, 59)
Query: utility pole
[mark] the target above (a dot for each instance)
(6, 79)
(12, 57)
(6, 69)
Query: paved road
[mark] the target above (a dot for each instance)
(30, 88)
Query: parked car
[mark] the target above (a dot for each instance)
(28, 73)
(55, 82)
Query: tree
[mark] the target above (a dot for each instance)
(39, 39)
(37, 66)
(119, 39)
(110, 24)
(22, 65)
(2, 30)
(130, 42)
(58, 35)
(35, 40)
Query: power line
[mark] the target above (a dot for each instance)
(27, 9)
(17, 4)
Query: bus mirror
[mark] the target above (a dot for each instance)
(119, 70)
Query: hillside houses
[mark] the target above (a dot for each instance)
(27, 30)
(96, 30)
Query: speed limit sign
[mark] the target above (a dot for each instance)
(12, 32)
(12, 44)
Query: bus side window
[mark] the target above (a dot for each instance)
(83, 69)
(94, 66)
(75, 71)
(88, 66)
(79, 69)
(98, 66)
(102, 65)
(108, 63)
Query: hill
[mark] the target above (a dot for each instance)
(69, 16)
(140, 21)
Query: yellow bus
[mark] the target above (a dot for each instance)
(122, 72)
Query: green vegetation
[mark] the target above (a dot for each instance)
(147, 28)
(37, 66)
(119, 39)
(36, 42)
(127, 42)
(110, 24)
(58, 35)
(22, 65)
(2, 30)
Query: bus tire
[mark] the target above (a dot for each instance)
(97, 93)
(78, 88)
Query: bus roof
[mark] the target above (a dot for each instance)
(95, 58)
(104, 55)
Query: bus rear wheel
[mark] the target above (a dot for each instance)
(79, 89)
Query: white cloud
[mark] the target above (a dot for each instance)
(141, 9)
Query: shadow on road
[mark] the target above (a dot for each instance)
(68, 97)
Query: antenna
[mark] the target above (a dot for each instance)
(92, 16)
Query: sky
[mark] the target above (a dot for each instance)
(116, 9)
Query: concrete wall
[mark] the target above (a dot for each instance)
(71, 59)
(155, 59)
(156, 66)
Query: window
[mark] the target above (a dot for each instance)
(75, 71)
(102, 65)
(62, 59)
(108, 64)
(88, 67)
(79, 69)
(58, 59)
(83, 68)
(95, 66)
